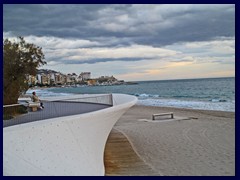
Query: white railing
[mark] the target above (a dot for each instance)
(54, 108)
(98, 99)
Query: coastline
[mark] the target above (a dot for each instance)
(202, 145)
(214, 94)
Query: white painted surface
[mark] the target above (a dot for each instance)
(71, 145)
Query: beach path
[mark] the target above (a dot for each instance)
(121, 160)
(203, 145)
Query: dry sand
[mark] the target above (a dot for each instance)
(201, 146)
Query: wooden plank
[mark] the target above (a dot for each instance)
(121, 160)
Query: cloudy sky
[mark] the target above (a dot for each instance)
(131, 42)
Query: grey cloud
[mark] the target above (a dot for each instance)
(52, 20)
(157, 27)
(99, 60)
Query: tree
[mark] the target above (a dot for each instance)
(19, 60)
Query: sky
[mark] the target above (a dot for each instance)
(131, 42)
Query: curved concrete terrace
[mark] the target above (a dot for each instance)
(69, 145)
(55, 109)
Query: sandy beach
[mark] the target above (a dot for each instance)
(201, 145)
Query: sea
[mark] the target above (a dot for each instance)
(205, 94)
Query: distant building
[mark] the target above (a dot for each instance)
(45, 79)
(71, 78)
(39, 79)
(59, 79)
(85, 76)
(74, 77)
(32, 80)
(53, 78)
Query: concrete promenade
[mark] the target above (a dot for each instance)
(65, 144)
(55, 109)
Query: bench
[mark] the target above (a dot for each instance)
(34, 105)
(162, 114)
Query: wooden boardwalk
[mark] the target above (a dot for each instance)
(121, 160)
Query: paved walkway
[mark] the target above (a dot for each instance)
(121, 160)
(55, 109)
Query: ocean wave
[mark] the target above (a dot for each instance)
(146, 95)
(218, 100)
(203, 105)
(156, 100)
(46, 93)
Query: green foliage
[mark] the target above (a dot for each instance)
(19, 60)
(11, 112)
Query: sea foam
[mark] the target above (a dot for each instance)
(215, 105)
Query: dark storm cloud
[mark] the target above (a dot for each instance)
(154, 25)
(48, 20)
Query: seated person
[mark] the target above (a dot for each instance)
(36, 99)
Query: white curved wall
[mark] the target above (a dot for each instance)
(71, 145)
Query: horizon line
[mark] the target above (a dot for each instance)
(184, 79)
